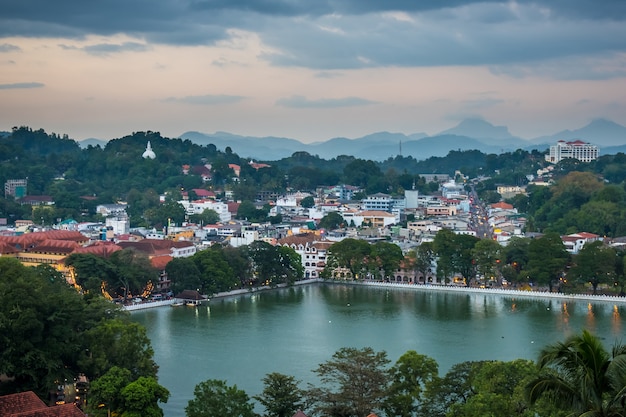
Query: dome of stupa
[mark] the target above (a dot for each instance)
(149, 153)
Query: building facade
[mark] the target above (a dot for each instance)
(582, 151)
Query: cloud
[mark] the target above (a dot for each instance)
(300, 102)
(110, 48)
(206, 100)
(7, 47)
(329, 35)
(21, 86)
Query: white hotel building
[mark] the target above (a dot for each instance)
(583, 151)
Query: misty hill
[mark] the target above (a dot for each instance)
(377, 146)
(601, 132)
(469, 134)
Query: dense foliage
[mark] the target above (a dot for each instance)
(50, 333)
(578, 377)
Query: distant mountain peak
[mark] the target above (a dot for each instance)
(601, 132)
(479, 128)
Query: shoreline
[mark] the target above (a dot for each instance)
(397, 285)
(496, 291)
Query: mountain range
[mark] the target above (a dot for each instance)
(469, 134)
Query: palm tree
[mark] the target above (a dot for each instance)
(581, 376)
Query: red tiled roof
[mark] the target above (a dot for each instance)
(155, 247)
(160, 262)
(100, 248)
(233, 207)
(502, 205)
(27, 404)
(303, 239)
(20, 402)
(55, 246)
(201, 192)
(6, 249)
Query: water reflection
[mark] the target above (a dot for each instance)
(293, 330)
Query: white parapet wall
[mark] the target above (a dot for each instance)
(497, 291)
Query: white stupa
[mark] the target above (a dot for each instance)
(149, 153)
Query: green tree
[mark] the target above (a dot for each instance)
(594, 263)
(118, 343)
(291, 265)
(104, 392)
(463, 256)
(499, 390)
(133, 272)
(281, 395)
(90, 271)
(116, 393)
(580, 376)
(424, 258)
(215, 398)
(39, 319)
(385, 257)
(266, 262)
(409, 377)
(183, 274)
(351, 254)
(455, 387)
(307, 202)
(208, 216)
(169, 212)
(141, 398)
(445, 249)
(353, 383)
(239, 263)
(331, 221)
(487, 255)
(215, 273)
(516, 253)
(547, 259)
(248, 211)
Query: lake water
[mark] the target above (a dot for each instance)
(240, 339)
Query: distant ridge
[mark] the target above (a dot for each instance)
(469, 134)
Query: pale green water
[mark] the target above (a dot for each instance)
(291, 331)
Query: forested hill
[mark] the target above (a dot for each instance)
(80, 179)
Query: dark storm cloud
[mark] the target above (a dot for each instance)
(300, 102)
(21, 86)
(343, 34)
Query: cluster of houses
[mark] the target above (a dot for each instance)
(407, 220)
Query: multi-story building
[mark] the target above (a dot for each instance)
(583, 151)
(378, 202)
(311, 250)
(15, 188)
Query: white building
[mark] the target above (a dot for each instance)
(583, 151)
(111, 209)
(198, 207)
(119, 224)
(377, 202)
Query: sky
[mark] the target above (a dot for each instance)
(309, 69)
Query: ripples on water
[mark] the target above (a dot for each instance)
(291, 331)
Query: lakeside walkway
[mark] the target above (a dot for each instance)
(497, 291)
(413, 287)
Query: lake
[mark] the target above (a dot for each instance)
(242, 338)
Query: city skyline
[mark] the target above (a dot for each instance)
(310, 70)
